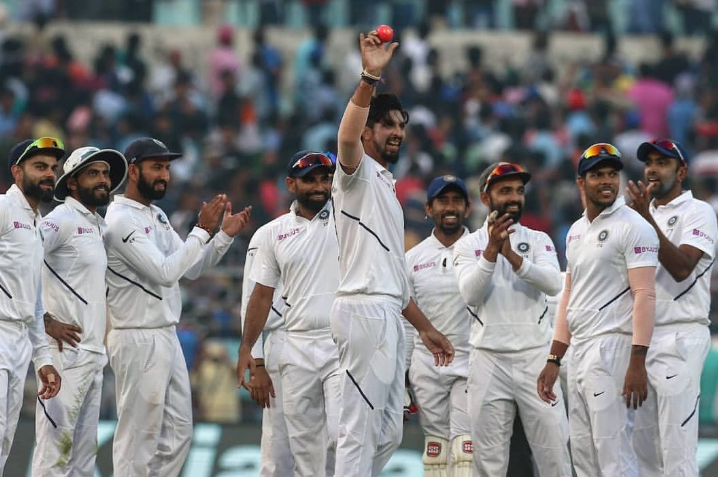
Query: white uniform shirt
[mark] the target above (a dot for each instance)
(21, 270)
(370, 228)
(302, 255)
(688, 221)
(276, 313)
(435, 289)
(509, 308)
(145, 260)
(599, 255)
(74, 273)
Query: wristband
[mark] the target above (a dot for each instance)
(555, 359)
(258, 365)
(369, 78)
(206, 229)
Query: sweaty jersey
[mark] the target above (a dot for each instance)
(301, 254)
(434, 287)
(276, 313)
(370, 230)
(686, 221)
(73, 274)
(509, 307)
(599, 255)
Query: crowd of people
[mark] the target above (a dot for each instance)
(236, 126)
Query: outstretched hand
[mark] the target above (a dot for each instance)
(232, 224)
(375, 55)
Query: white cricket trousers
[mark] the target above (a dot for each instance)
(370, 336)
(154, 406)
(276, 458)
(66, 426)
(500, 383)
(441, 394)
(15, 354)
(600, 426)
(665, 435)
(311, 389)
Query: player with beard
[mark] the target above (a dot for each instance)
(374, 288)
(606, 314)
(32, 164)
(505, 271)
(441, 392)
(666, 430)
(74, 296)
(145, 260)
(301, 253)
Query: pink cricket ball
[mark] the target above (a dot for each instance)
(385, 33)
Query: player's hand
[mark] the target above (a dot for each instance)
(245, 362)
(498, 228)
(640, 196)
(232, 224)
(50, 380)
(261, 387)
(211, 213)
(374, 54)
(546, 381)
(62, 332)
(635, 386)
(439, 346)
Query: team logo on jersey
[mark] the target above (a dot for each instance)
(467, 447)
(672, 221)
(603, 235)
(163, 220)
(324, 214)
(523, 247)
(433, 449)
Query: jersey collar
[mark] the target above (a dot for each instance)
(79, 206)
(685, 196)
(18, 197)
(620, 202)
(121, 199)
(440, 245)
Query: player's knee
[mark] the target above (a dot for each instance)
(436, 456)
(462, 456)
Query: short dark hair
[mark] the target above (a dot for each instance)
(381, 105)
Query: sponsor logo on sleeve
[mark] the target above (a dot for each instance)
(423, 266)
(84, 230)
(549, 248)
(640, 250)
(571, 238)
(291, 233)
(478, 252)
(20, 225)
(699, 233)
(51, 225)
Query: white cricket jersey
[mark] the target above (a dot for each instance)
(370, 229)
(145, 260)
(276, 313)
(73, 275)
(599, 255)
(21, 270)
(686, 221)
(302, 255)
(435, 289)
(509, 307)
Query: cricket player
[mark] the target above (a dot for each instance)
(441, 391)
(505, 271)
(301, 254)
(145, 260)
(373, 291)
(606, 314)
(33, 164)
(265, 387)
(74, 295)
(666, 430)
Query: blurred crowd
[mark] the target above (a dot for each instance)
(236, 126)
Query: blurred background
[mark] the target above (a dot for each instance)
(238, 86)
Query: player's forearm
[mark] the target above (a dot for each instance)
(350, 149)
(561, 333)
(678, 264)
(260, 302)
(416, 317)
(558, 348)
(642, 282)
(474, 281)
(546, 277)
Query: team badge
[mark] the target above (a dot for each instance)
(163, 220)
(672, 221)
(449, 178)
(603, 235)
(324, 214)
(433, 449)
(523, 247)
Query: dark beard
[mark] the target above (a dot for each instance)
(312, 205)
(148, 190)
(515, 216)
(390, 158)
(91, 197)
(451, 229)
(36, 192)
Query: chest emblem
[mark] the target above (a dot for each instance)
(603, 235)
(163, 220)
(523, 247)
(672, 221)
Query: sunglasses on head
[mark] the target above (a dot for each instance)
(501, 170)
(601, 148)
(41, 143)
(313, 159)
(670, 146)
